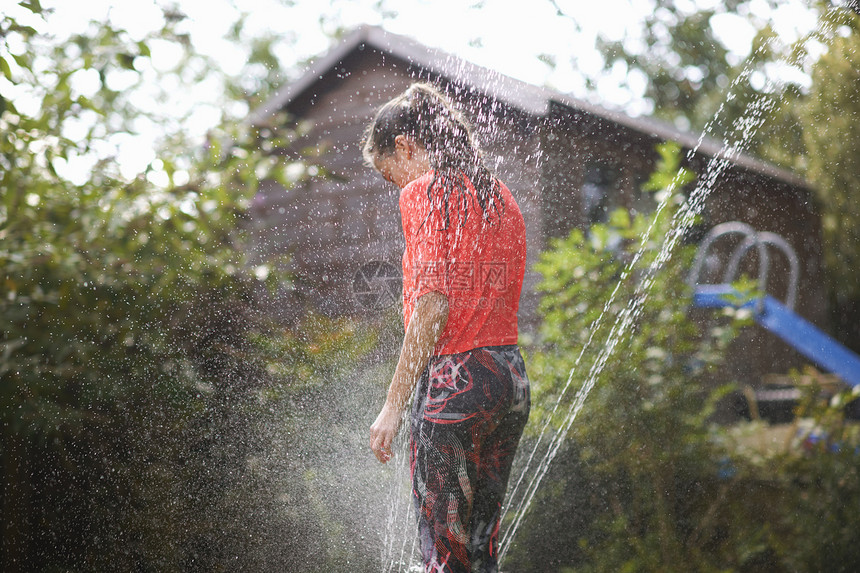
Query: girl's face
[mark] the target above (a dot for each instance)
(408, 162)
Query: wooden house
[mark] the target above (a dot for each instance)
(566, 161)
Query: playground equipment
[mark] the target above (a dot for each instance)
(776, 316)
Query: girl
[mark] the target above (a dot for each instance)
(463, 269)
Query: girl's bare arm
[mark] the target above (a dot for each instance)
(426, 325)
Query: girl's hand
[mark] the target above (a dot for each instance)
(382, 433)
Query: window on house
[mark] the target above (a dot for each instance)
(599, 194)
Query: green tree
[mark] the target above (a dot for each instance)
(680, 56)
(831, 137)
(694, 81)
(133, 353)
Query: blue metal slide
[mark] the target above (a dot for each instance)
(776, 316)
(792, 328)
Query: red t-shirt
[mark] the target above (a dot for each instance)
(478, 266)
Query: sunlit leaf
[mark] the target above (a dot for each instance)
(4, 67)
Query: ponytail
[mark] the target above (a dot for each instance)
(424, 114)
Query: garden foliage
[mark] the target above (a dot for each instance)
(135, 359)
(647, 480)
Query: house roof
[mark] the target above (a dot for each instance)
(528, 98)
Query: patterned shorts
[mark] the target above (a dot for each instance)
(467, 419)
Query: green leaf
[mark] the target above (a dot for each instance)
(34, 6)
(620, 219)
(126, 61)
(24, 30)
(4, 67)
(144, 50)
(22, 60)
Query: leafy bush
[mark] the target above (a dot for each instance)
(646, 480)
(134, 356)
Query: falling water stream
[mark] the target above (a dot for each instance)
(399, 546)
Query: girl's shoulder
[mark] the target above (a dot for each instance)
(415, 191)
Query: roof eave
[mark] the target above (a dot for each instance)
(514, 93)
(699, 144)
(291, 90)
(530, 99)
